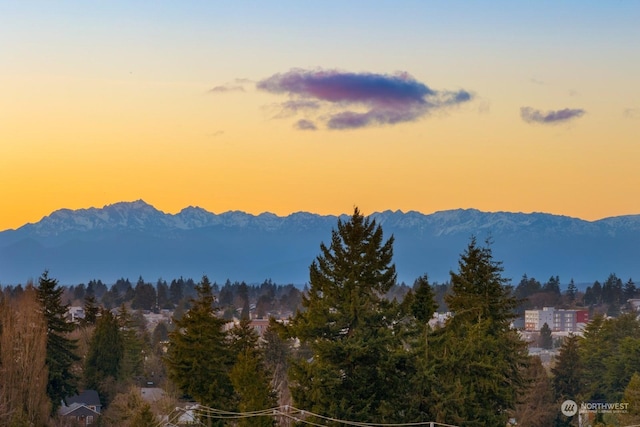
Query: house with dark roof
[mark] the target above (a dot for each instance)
(83, 408)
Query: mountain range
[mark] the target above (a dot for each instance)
(133, 239)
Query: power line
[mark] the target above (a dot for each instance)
(298, 415)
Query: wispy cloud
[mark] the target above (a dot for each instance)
(356, 100)
(236, 86)
(304, 124)
(631, 113)
(226, 88)
(532, 115)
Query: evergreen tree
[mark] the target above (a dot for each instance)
(479, 292)
(250, 378)
(133, 343)
(423, 305)
(610, 353)
(62, 382)
(144, 296)
(91, 310)
(593, 294)
(176, 291)
(546, 340)
(419, 306)
(568, 371)
(480, 358)
(104, 360)
(572, 292)
(629, 290)
(632, 397)
(198, 358)
(162, 290)
(347, 327)
(243, 296)
(552, 285)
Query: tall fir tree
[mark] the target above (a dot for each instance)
(134, 345)
(103, 364)
(419, 307)
(198, 357)
(478, 357)
(62, 382)
(347, 327)
(91, 310)
(568, 372)
(546, 339)
(249, 375)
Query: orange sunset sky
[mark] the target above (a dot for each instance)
(320, 106)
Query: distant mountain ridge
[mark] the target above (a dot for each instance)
(131, 239)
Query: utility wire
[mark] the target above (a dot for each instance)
(290, 412)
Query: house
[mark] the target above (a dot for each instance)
(75, 313)
(83, 408)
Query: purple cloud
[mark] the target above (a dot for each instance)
(304, 124)
(531, 115)
(383, 99)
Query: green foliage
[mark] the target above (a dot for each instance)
(91, 310)
(479, 292)
(572, 292)
(478, 360)
(106, 351)
(144, 296)
(632, 397)
(249, 375)
(568, 371)
(198, 359)
(423, 305)
(610, 350)
(546, 339)
(62, 381)
(132, 330)
(347, 325)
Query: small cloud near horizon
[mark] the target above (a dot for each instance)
(532, 115)
(631, 113)
(236, 86)
(226, 88)
(304, 124)
(357, 100)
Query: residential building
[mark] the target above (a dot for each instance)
(84, 408)
(559, 320)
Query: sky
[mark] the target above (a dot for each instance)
(320, 106)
